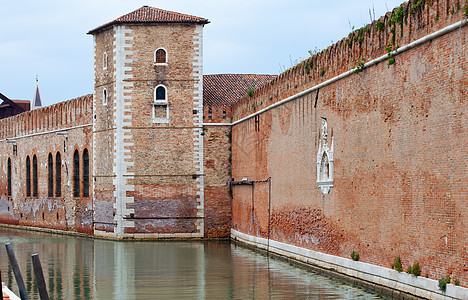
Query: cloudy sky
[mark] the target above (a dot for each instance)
(48, 37)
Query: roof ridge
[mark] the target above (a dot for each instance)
(152, 15)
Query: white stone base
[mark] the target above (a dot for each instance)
(417, 286)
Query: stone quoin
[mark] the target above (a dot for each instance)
(359, 148)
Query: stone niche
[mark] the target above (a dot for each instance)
(325, 160)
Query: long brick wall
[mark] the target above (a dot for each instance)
(59, 116)
(418, 19)
(58, 130)
(398, 135)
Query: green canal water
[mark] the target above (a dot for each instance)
(79, 268)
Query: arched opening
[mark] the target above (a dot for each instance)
(104, 60)
(76, 174)
(9, 176)
(160, 56)
(35, 185)
(28, 177)
(50, 181)
(58, 175)
(85, 173)
(160, 94)
(104, 97)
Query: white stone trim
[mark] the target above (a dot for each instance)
(93, 182)
(140, 236)
(46, 132)
(198, 123)
(217, 124)
(380, 59)
(418, 286)
(122, 137)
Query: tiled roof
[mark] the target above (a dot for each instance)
(227, 89)
(148, 14)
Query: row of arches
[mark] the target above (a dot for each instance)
(54, 175)
(78, 189)
(57, 179)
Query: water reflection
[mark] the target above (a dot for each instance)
(77, 268)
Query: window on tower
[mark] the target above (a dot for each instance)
(160, 57)
(104, 60)
(104, 97)
(160, 105)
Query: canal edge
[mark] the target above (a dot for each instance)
(394, 286)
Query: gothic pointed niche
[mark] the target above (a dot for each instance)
(325, 161)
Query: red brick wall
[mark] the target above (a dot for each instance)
(400, 161)
(62, 115)
(34, 133)
(217, 156)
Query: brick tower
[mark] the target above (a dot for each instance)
(147, 128)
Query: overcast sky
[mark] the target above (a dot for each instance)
(48, 37)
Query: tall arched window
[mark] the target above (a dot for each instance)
(28, 176)
(50, 181)
(35, 185)
(160, 105)
(160, 56)
(58, 175)
(76, 174)
(104, 60)
(85, 173)
(9, 176)
(104, 97)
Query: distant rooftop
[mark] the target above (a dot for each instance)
(7, 109)
(150, 15)
(227, 89)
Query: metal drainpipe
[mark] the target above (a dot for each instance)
(252, 183)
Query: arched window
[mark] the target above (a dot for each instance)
(76, 174)
(160, 56)
(58, 175)
(160, 93)
(9, 176)
(104, 60)
(104, 97)
(50, 181)
(85, 173)
(160, 105)
(35, 187)
(28, 177)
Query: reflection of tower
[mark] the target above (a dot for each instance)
(37, 103)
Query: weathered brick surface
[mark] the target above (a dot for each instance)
(38, 137)
(217, 152)
(400, 161)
